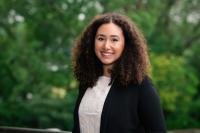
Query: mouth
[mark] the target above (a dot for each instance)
(106, 53)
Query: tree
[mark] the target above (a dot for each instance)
(37, 84)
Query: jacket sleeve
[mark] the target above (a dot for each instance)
(75, 114)
(76, 127)
(149, 109)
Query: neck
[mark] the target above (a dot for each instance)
(107, 70)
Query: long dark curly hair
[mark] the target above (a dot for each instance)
(130, 68)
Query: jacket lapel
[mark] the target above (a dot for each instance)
(107, 108)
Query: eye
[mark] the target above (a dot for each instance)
(100, 38)
(115, 40)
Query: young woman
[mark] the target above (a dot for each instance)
(115, 94)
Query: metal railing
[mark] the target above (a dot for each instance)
(4, 129)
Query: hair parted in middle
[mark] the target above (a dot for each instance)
(130, 68)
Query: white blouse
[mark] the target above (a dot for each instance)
(91, 106)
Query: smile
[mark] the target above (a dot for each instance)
(106, 53)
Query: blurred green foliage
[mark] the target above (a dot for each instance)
(177, 87)
(37, 88)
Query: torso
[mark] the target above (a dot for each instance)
(91, 106)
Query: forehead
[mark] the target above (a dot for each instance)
(110, 29)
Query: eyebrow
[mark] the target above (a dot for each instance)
(105, 35)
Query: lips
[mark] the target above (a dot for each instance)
(106, 53)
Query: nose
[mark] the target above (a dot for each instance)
(107, 45)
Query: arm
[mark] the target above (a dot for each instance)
(75, 114)
(150, 112)
(76, 128)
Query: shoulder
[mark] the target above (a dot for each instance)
(147, 84)
(81, 90)
(147, 89)
(146, 81)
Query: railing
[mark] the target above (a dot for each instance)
(4, 129)
(185, 131)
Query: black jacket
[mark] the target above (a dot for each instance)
(134, 109)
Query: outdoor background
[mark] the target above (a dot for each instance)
(37, 88)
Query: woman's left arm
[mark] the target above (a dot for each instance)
(149, 108)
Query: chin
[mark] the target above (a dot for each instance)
(107, 62)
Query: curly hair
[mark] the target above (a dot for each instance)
(130, 68)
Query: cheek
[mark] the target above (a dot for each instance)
(96, 48)
(120, 49)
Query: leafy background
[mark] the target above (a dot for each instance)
(37, 88)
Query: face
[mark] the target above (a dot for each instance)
(109, 43)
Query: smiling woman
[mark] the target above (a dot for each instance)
(115, 94)
(109, 45)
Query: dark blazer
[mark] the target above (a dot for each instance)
(134, 109)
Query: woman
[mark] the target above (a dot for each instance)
(115, 94)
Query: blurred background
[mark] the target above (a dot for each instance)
(37, 88)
